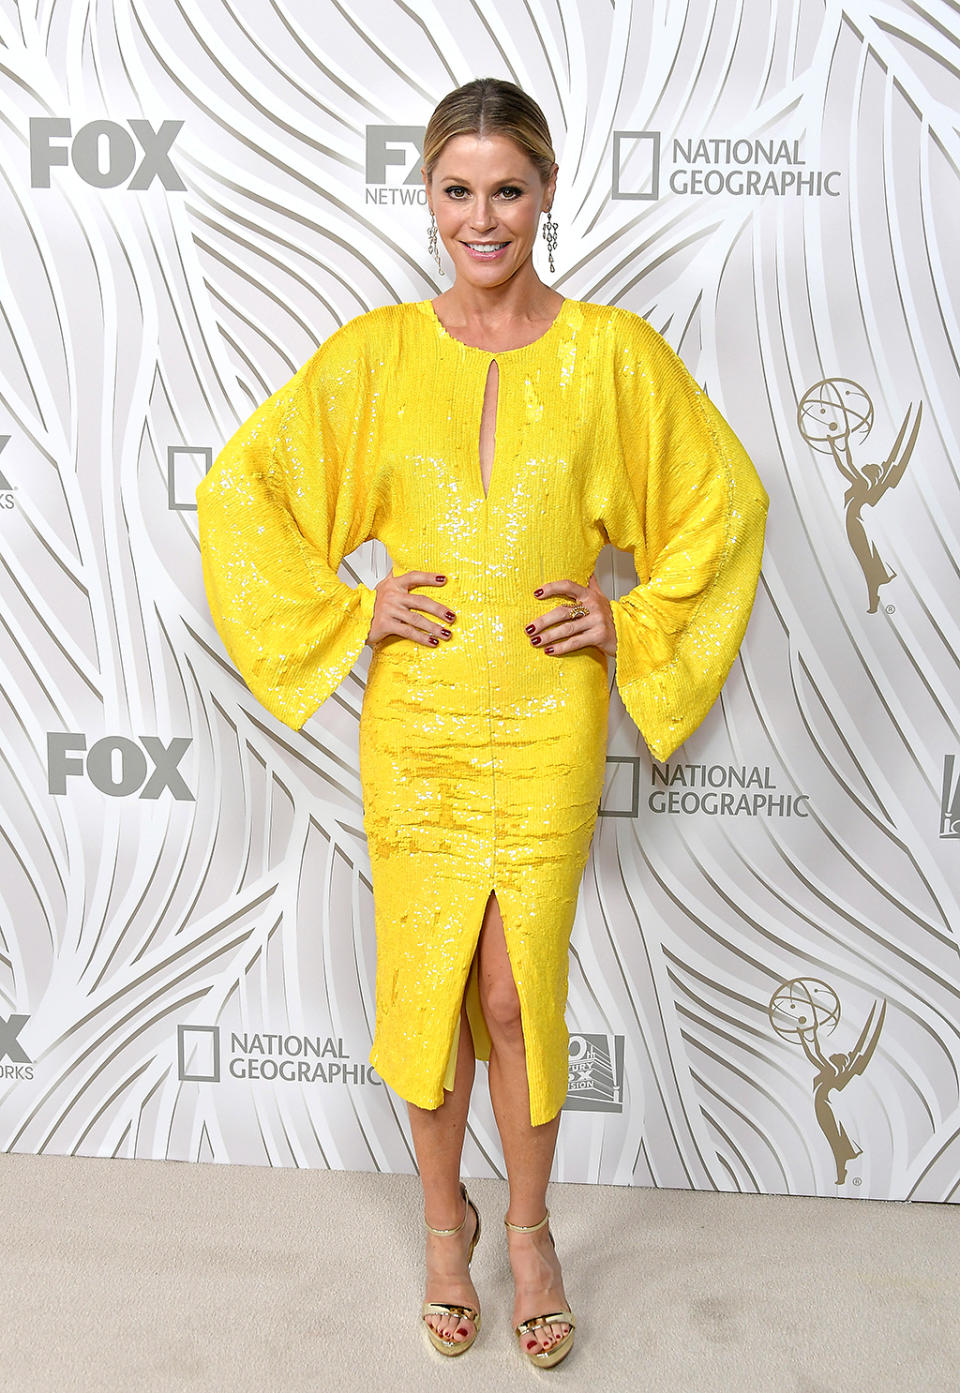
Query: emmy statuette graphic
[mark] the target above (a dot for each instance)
(830, 415)
(950, 799)
(802, 1011)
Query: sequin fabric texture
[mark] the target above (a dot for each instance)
(482, 759)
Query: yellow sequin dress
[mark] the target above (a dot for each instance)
(482, 759)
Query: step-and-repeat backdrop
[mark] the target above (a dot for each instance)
(764, 972)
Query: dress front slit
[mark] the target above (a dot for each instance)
(479, 1030)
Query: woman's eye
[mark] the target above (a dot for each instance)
(460, 191)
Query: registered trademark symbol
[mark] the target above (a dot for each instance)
(857, 1180)
(891, 609)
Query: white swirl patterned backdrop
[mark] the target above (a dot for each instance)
(764, 976)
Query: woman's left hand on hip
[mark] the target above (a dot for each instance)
(590, 625)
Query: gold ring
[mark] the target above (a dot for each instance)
(577, 611)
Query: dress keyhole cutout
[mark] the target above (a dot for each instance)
(488, 426)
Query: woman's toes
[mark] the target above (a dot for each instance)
(451, 1328)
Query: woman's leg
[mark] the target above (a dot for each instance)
(527, 1150)
(438, 1142)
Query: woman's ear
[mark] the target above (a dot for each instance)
(549, 192)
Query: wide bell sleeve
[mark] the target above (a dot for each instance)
(285, 500)
(689, 504)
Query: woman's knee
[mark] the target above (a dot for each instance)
(501, 1007)
(498, 992)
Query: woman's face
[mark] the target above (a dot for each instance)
(487, 197)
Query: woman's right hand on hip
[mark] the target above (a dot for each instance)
(395, 610)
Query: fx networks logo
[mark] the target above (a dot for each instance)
(105, 153)
(950, 799)
(394, 157)
(595, 1074)
(645, 166)
(21, 1065)
(831, 415)
(259, 1056)
(802, 1012)
(721, 790)
(117, 765)
(6, 488)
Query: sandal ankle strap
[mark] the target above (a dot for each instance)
(448, 1233)
(527, 1228)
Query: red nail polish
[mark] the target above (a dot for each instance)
(536, 640)
(449, 615)
(441, 579)
(538, 592)
(528, 629)
(445, 632)
(548, 650)
(434, 640)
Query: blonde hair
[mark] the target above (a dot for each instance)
(490, 106)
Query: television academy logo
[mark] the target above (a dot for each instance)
(950, 800)
(801, 1012)
(21, 1065)
(830, 415)
(595, 1074)
(104, 153)
(394, 155)
(6, 488)
(259, 1056)
(739, 168)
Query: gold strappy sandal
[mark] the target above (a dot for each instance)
(443, 1308)
(544, 1358)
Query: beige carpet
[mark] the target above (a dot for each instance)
(144, 1275)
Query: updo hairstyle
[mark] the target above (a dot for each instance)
(490, 106)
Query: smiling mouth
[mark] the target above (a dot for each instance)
(486, 246)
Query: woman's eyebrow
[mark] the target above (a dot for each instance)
(508, 179)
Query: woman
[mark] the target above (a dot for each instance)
(494, 439)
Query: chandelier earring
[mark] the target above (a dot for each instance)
(432, 243)
(550, 237)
